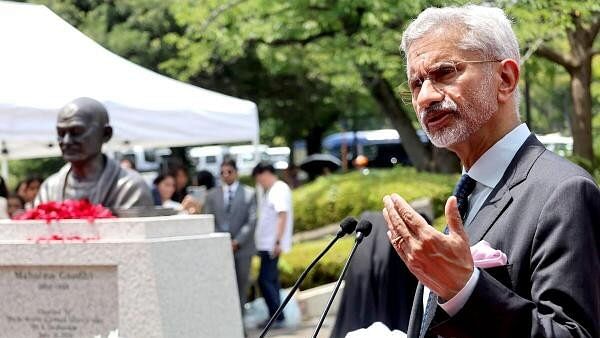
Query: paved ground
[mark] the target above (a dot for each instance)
(304, 330)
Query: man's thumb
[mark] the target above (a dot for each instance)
(453, 219)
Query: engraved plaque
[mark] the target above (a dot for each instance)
(58, 301)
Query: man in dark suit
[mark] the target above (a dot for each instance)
(537, 208)
(234, 206)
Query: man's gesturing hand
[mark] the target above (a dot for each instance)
(441, 262)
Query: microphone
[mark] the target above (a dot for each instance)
(363, 229)
(347, 227)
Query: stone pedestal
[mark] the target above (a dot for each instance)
(148, 277)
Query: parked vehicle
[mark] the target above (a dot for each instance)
(144, 159)
(383, 147)
(555, 142)
(248, 156)
(147, 161)
(208, 158)
(279, 157)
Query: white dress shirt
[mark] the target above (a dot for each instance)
(487, 171)
(229, 188)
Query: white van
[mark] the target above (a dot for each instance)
(248, 156)
(147, 161)
(279, 157)
(144, 159)
(555, 142)
(208, 158)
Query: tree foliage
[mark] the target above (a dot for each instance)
(347, 50)
(565, 32)
(315, 66)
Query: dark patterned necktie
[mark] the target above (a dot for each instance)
(462, 190)
(229, 199)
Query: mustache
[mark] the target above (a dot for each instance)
(446, 105)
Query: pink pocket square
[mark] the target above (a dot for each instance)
(484, 256)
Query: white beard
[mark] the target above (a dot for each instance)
(466, 120)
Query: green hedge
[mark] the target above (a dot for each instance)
(294, 262)
(327, 269)
(331, 198)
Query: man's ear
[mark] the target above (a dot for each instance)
(509, 79)
(108, 133)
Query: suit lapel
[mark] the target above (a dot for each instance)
(237, 198)
(220, 204)
(488, 214)
(501, 197)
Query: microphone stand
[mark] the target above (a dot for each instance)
(337, 286)
(297, 284)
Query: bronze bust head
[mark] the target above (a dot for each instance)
(82, 128)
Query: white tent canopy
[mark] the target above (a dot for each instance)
(45, 63)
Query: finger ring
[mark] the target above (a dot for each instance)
(397, 240)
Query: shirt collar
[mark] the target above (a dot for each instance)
(490, 167)
(233, 187)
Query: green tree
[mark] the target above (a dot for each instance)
(291, 105)
(352, 45)
(43, 167)
(565, 32)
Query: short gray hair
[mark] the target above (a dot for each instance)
(484, 29)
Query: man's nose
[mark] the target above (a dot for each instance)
(429, 94)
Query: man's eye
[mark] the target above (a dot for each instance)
(443, 72)
(415, 83)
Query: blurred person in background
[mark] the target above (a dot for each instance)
(28, 190)
(234, 206)
(14, 205)
(127, 163)
(163, 190)
(206, 179)
(290, 176)
(189, 203)
(273, 233)
(181, 176)
(21, 188)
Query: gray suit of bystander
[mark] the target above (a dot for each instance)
(235, 214)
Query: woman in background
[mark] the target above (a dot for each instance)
(14, 205)
(28, 190)
(163, 190)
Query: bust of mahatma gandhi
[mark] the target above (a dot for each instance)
(83, 127)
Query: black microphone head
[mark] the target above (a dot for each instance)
(348, 225)
(363, 229)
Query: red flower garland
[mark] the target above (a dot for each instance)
(68, 209)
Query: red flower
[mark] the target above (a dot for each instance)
(68, 209)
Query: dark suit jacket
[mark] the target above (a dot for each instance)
(241, 220)
(378, 286)
(544, 214)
